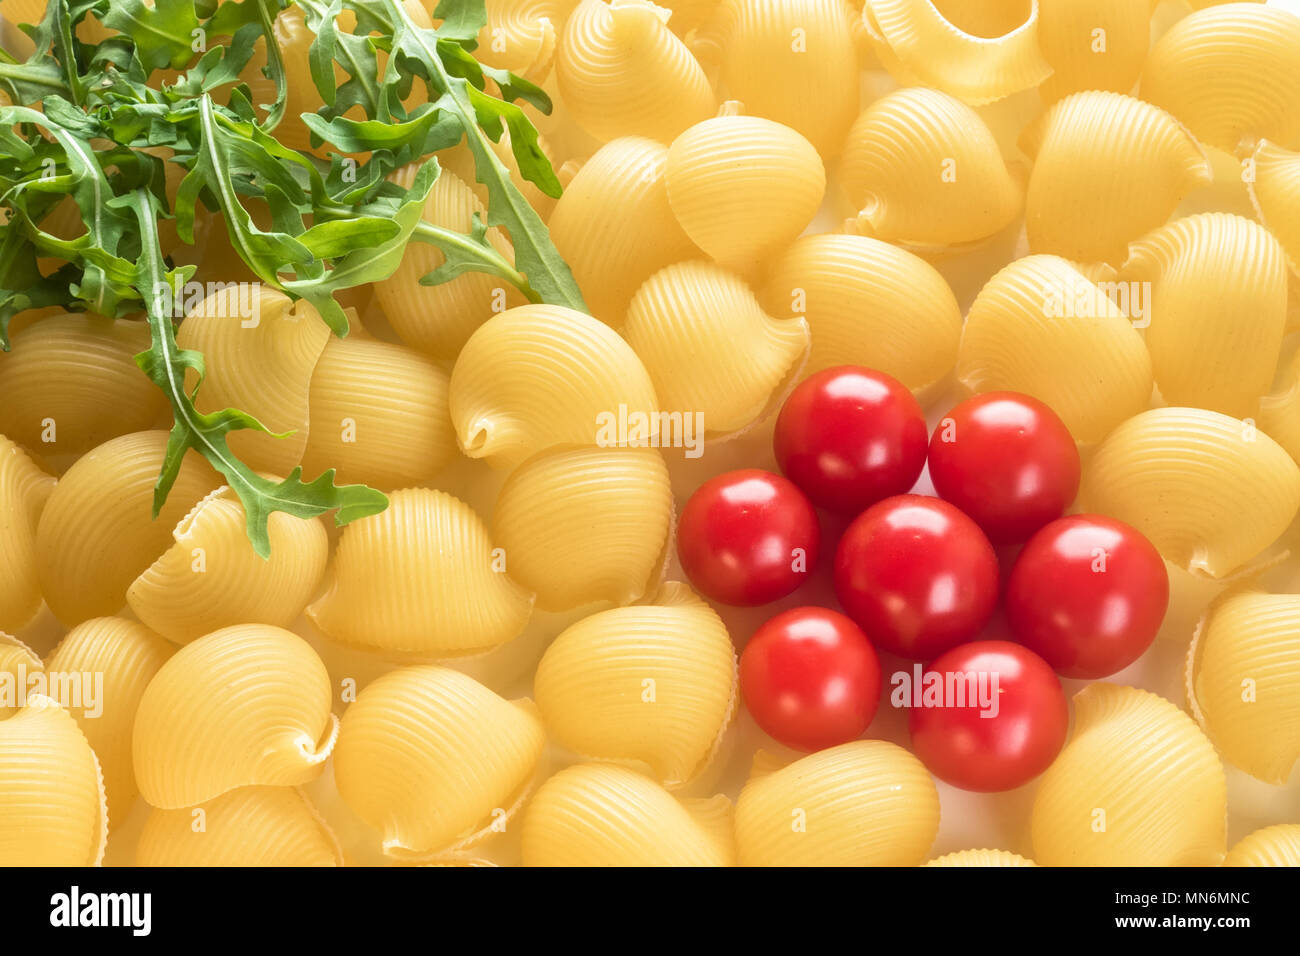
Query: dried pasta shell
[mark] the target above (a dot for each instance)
(1041, 327)
(520, 35)
(1218, 310)
(1279, 412)
(434, 760)
(1229, 72)
(460, 161)
(601, 815)
(24, 490)
(1272, 846)
(243, 706)
(652, 684)
(710, 348)
(581, 525)
(1243, 681)
(19, 665)
(1275, 193)
(52, 810)
(212, 578)
(98, 533)
(865, 803)
(923, 168)
(1107, 168)
(981, 858)
(622, 72)
(421, 579)
(1136, 785)
(543, 375)
(251, 826)
(1092, 45)
(742, 187)
(1208, 490)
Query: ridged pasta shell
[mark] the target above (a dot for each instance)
(543, 375)
(212, 578)
(1041, 327)
(19, 664)
(520, 35)
(601, 815)
(1137, 784)
(459, 160)
(1228, 72)
(923, 168)
(1218, 308)
(251, 826)
(742, 187)
(434, 760)
(97, 532)
(52, 810)
(1208, 490)
(1272, 846)
(1279, 412)
(622, 72)
(1243, 681)
(1275, 193)
(652, 684)
(242, 706)
(981, 858)
(1092, 45)
(865, 803)
(421, 579)
(710, 348)
(24, 490)
(1107, 168)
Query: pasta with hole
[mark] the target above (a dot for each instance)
(1274, 185)
(1272, 846)
(521, 35)
(24, 490)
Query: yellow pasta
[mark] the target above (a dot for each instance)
(421, 579)
(865, 803)
(1275, 192)
(689, 14)
(543, 375)
(434, 760)
(251, 826)
(520, 35)
(212, 578)
(600, 815)
(1136, 785)
(1243, 681)
(1107, 168)
(1272, 846)
(581, 525)
(24, 490)
(97, 532)
(459, 160)
(981, 858)
(241, 706)
(1279, 412)
(710, 348)
(922, 167)
(21, 672)
(653, 685)
(1229, 72)
(622, 72)
(52, 810)
(742, 187)
(1092, 44)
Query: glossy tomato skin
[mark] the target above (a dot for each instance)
(1087, 594)
(917, 576)
(748, 537)
(811, 678)
(1021, 738)
(1006, 460)
(850, 436)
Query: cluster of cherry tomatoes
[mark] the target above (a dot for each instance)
(919, 576)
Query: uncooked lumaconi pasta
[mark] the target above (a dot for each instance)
(1107, 168)
(1092, 44)
(710, 348)
(241, 706)
(1210, 492)
(52, 810)
(865, 803)
(520, 35)
(1042, 327)
(1272, 846)
(921, 167)
(1243, 681)
(1274, 186)
(1137, 784)
(602, 815)
(421, 579)
(581, 525)
(867, 303)
(212, 578)
(434, 760)
(19, 664)
(653, 685)
(251, 826)
(24, 490)
(544, 375)
(1279, 411)
(981, 858)
(459, 159)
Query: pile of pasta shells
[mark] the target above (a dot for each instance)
(505, 666)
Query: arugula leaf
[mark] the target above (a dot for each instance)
(164, 32)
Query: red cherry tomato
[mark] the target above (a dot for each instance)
(748, 537)
(1002, 717)
(917, 575)
(1007, 461)
(811, 678)
(850, 436)
(1088, 594)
